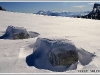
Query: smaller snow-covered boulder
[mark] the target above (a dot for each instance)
(16, 33)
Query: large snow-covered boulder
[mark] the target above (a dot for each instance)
(55, 55)
(16, 33)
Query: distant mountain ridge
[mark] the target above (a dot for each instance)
(64, 14)
(93, 14)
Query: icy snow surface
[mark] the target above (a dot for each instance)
(84, 33)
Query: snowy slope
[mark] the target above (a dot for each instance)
(84, 33)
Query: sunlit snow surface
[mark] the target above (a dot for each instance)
(84, 33)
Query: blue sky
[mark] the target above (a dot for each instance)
(28, 7)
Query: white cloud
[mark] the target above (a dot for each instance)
(81, 6)
(91, 3)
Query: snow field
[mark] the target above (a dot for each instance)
(85, 33)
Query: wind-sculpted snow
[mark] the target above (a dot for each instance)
(84, 55)
(69, 55)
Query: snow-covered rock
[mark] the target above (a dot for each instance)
(15, 33)
(57, 55)
(42, 57)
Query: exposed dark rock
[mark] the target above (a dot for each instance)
(94, 14)
(2, 9)
(20, 36)
(63, 57)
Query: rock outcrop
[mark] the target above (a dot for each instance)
(15, 33)
(95, 13)
(2, 9)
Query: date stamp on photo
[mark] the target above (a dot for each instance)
(85, 71)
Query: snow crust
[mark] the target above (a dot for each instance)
(84, 33)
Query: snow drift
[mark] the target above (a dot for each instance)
(57, 55)
(18, 33)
